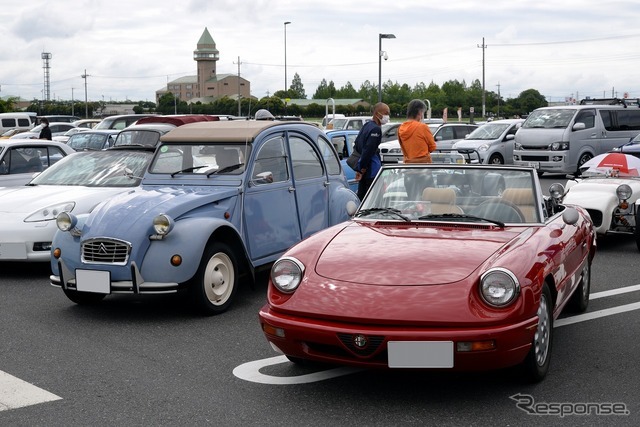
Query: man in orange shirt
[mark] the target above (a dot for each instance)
(416, 140)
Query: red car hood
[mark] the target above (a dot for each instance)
(411, 255)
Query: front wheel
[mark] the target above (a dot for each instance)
(215, 284)
(536, 364)
(496, 159)
(584, 158)
(83, 298)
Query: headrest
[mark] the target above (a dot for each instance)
(439, 195)
(519, 196)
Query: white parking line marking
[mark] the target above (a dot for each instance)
(596, 314)
(15, 393)
(614, 292)
(250, 371)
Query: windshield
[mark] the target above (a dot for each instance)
(339, 123)
(97, 169)
(147, 138)
(550, 118)
(456, 193)
(489, 131)
(88, 141)
(207, 159)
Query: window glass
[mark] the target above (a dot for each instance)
(8, 123)
(587, 117)
(25, 123)
(305, 160)
(271, 163)
(330, 159)
(628, 119)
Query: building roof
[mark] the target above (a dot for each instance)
(184, 79)
(206, 38)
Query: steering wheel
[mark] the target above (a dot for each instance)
(499, 210)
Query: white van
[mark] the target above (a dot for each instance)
(561, 139)
(14, 120)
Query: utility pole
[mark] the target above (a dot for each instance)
(239, 96)
(86, 102)
(483, 46)
(72, 111)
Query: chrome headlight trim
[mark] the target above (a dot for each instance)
(66, 221)
(624, 192)
(499, 287)
(556, 191)
(287, 274)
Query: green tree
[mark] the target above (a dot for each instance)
(296, 90)
(347, 92)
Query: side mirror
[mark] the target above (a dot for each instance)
(579, 126)
(351, 207)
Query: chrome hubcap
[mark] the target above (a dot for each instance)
(541, 339)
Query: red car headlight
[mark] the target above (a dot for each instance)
(286, 274)
(499, 287)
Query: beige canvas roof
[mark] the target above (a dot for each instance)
(222, 131)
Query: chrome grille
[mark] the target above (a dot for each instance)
(105, 251)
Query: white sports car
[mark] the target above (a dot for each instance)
(75, 184)
(609, 189)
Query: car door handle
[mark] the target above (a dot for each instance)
(292, 189)
(326, 183)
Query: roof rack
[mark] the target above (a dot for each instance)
(625, 102)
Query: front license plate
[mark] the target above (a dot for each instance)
(13, 251)
(420, 354)
(535, 165)
(93, 281)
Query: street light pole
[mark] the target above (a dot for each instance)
(381, 53)
(285, 55)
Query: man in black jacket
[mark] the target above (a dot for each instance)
(45, 133)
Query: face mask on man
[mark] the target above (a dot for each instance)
(384, 119)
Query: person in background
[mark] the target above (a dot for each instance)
(415, 137)
(45, 133)
(368, 140)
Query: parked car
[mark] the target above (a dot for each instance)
(92, 139)
(75, 184)
(389, 132)
(21, 158)
(492, 142)
(147, 131)
(120, 121)
(14, 131)
(60, 118)
(327, 118)
(609, 189)
(348, 123)
(445, 136)
(446, 274)
(14, 120)
(632, 147)
(343, 141)
(220, 200)
(65, 136)
(87, 123)
(57, 129)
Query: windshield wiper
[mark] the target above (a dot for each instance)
(191, 169)
(392, 211)
(461, 216)
(225, 169)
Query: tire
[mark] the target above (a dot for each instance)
(83, 298)
(496, 159)
(580, 299)
(536, 364)
(215, 284)
(584, 158)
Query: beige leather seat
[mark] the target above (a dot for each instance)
(443, 200)
(524, 200)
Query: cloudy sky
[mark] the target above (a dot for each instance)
(131, 48)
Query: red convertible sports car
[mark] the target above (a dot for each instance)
(450, 266)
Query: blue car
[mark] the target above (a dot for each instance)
(342, 141)
(219, 200)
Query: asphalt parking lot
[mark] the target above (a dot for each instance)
(151, 361)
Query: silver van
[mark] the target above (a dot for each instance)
(561, 139)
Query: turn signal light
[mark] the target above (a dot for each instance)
(272, 330)
(466, 346)
(176, 260)
(56, 253)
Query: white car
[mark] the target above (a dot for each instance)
(390, 151)
(493, 141)
(610, 195)
(77, 183)
(20, 159)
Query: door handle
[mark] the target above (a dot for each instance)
(292, 189)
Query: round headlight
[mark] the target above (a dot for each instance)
(162, 224)
(66, 221)
(286, 274)
(556, 191)
(624, 192)
(499, 287)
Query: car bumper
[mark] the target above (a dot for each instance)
(333, 342)
(67, 279)
(26, 241)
